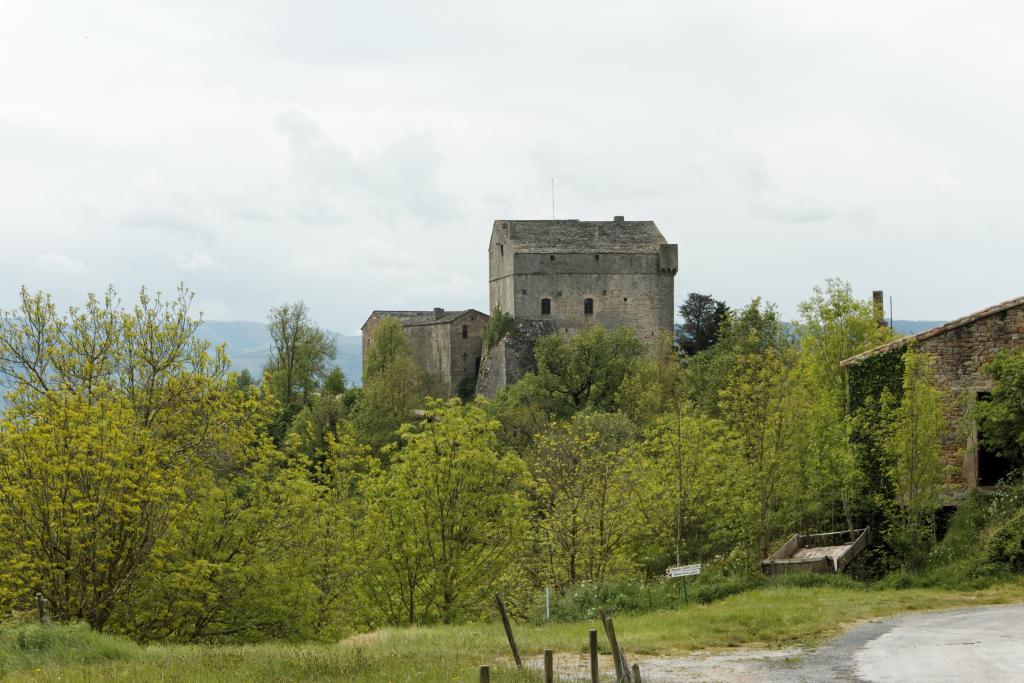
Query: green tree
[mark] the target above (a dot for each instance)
(298, 361)
(702, 317)
(581, 372)
(587, 514)
(1001, 417)
(237, 565)
(387, 345)
(751, 330)
(758, 405)
(334, 383)
(387, 401)
(656, 386)
(915, 466)
(682, 457)
(445, 523)
(86, 491)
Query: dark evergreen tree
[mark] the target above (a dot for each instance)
(702, 317)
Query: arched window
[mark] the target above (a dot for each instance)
(588, 307)
(545, 306)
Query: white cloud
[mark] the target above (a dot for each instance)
(354, 155)
(196, 260)
(62, 264)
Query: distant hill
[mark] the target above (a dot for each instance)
(248, 346)
(915, 326)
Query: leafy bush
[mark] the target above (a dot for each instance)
(584, 601)
(499, 325)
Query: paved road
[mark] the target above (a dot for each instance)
(982, 644)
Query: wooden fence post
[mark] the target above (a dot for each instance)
(636, 673)
(593, 656)
(508, 631)
(609, 630)
(549, 666)
(485, 674)
(44, 618)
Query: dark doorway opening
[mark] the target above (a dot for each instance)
(942, 519)
(992, 465)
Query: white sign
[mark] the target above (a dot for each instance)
(684, 570)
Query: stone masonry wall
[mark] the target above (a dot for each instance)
(511, 358)
(626, 289)
(957, 356)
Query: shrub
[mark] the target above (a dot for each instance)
(499, 325)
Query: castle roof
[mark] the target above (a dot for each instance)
(437, 316)
(935, 331)
(576, 236)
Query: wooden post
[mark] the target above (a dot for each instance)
(485, 674)
(609, 629)
(626, 675)
(636, 673)
(549, 666)
(41, 604)
(593, 656)
(508, 631)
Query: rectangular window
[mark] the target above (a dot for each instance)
(465, 331)
(545, 306)
(588, 307)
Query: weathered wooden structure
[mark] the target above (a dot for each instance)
(826, 553)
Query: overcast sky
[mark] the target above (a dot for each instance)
(355, 154)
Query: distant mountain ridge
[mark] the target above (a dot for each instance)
(248, 346)
(909, 327)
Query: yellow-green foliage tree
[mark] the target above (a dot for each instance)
(759, 406)
(86, 492)
(393, 386)
(683, 458)
(915, 466)
(237, 565)
(445, 523)
(587, 518)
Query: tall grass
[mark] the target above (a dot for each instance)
(28, 646)
(776, 615)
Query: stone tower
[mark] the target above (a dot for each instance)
(562, 276)
(579, 273)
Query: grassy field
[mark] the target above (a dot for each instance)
(770, 617)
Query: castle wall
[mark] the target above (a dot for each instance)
(627, 289)
(465, 355)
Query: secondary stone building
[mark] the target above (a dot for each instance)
(445, 344)
(958, 349)
(562, 276)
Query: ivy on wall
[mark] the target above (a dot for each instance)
(872, 376)
(869, 380)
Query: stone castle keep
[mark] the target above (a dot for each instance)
(552, 276)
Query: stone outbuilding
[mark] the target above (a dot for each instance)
(958, 349)
(447, 345)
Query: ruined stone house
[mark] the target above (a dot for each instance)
(445, 344)
(958, 349)
(561, 276)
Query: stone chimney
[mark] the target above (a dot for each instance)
(878, 301)
(620, 219)
(438, 313)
